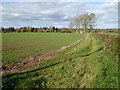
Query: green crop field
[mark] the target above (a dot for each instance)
(91, 63)
(19, 45)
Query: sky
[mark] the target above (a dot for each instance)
(58, 13)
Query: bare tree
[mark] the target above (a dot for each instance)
(75, 24)
(84, 20)
(92, 20)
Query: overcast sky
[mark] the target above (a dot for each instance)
(57, 13)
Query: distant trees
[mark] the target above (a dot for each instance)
(65, 30)
(86, 21)
(2, 29)
(10, 29)
(52, 29)
(30, 29)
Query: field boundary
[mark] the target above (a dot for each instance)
(99, 49)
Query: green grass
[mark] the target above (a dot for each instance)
(80, 66)
(19, 45)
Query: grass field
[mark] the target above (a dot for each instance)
(93, 63)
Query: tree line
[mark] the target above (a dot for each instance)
(34, 29)
(46, 29)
